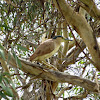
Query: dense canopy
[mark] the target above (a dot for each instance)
(25, 24)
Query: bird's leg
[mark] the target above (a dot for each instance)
(49, 65)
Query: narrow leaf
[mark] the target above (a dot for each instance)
(1, 47)
(17, 60)
(2, 95)
(9, 92)
(2, 54)
(9, 57)
(22, 48)
(0, 77)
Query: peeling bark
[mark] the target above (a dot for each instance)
(91, 8)
(80, 24)
(51, 75)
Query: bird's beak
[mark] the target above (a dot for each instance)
(68, 39)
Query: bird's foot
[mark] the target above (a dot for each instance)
(52, 67)
(49, 66)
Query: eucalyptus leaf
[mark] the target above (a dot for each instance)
(22, 48)
(2, 95)
(2, 54)
(7, 81)
(13, 85)
(1, 47)
(6, 73)
(0, 77)
(9, 92)
(9, 57)
(17, 60)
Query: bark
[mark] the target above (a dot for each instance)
(56, 76)
(80, 24)
(74, 55)
(65, 34)
(4, 65)
(91, 8)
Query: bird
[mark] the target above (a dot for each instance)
(48, 48)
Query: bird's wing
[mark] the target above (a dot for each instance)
(44, 48)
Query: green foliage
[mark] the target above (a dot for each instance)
(2, 52)
(29, 20)
(6, 85)
(17, 60)
(4, 27)
(21, 47)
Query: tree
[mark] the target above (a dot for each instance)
(24, 24)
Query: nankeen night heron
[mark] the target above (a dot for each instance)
(47, 49)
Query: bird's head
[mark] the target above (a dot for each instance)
(61, 38)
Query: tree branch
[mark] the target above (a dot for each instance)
(52, 75)
(80, 24)
(78, 97)
(73, 56)
(91, 8)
